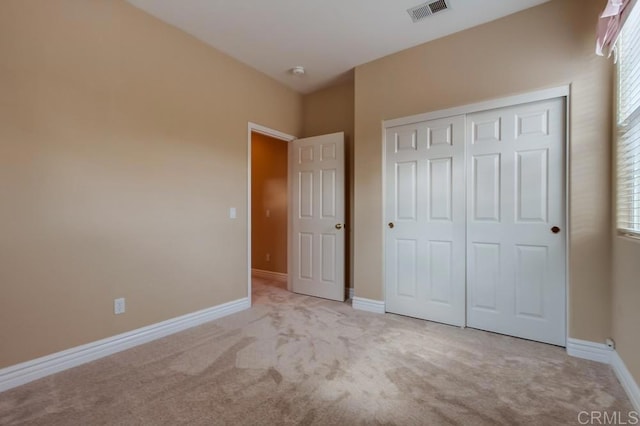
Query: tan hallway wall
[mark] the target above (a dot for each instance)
(268, 192)
(123, 143)
(546, 46)
(327, 111)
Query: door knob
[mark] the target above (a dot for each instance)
(555, 229)
(391, 225)
(339, 226)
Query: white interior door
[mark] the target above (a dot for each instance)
(515, 253)
(425, 211)
(317, 246)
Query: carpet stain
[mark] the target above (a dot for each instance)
(334, 370)
(275, 375)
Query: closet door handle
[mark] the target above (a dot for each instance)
(391, 225)
(555, 229)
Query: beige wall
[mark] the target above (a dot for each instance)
(123, 142)
(546, 46)
(626, 298)
(268, 192)
(327, 111)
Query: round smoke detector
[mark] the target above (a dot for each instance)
(298, 70)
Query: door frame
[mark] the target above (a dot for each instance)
(257, 128)
(535, 96)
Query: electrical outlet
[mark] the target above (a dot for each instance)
(268, 257)
(118, 306)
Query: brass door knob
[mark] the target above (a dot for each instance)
(555, 229)
(339, 226)
(391, 225)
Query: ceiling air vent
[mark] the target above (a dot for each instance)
(427, 9)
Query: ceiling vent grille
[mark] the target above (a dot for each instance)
(427, 9)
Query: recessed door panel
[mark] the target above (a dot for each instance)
(328, 190)
(328, 260)
(486, 275)
(440, 271)
(535, 123)
(440, 189)
(407, 264)
(406, 140)
(305, 194)
(407, 190)
(440, 135)
(532, 186)
(306, 256)
(305, 154)
(486, 187)
(531, 270)
(486, 131)
(328, 151)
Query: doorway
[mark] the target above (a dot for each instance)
(269, 179)
(267, 221)
(313, 199)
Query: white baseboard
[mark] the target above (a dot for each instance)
(28, 371)
(602, 353)
(589, 350)
(350, 292)
(269, 275)
(627, 380)
(362, 304)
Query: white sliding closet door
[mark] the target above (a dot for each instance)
(425, 235)
(475, 220)
(515, 221)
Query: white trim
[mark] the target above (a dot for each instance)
(362, 304)
(269, 275)
(253, 127)
(270, 132)
(28, 371)
(598, 352)
(626, 379)
(540, 95)
(350, 292)
(383, 208)
(567, 212)
(289, 221)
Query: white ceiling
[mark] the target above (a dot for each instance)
(327, 37)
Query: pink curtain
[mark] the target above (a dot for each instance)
(609, 26)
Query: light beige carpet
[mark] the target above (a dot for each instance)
(292, 359)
